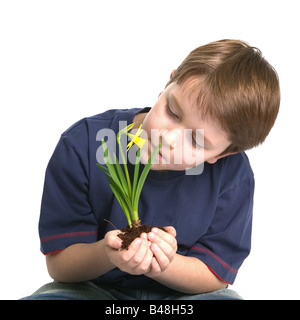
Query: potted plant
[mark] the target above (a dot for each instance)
(128, 193)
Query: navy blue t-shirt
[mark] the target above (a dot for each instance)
(211, 212)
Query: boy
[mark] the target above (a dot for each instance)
(226, 88)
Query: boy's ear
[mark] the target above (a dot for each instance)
(215, 159)
(171, 76)
(168, 81)
(172, 73)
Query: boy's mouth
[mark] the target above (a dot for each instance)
(159, 155)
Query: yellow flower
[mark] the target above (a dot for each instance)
(136, 139)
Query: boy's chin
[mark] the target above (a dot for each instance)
(162, 164)
(193, 171)
(168, 167)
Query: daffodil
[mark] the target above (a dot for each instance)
(127, 196)
(136, 139)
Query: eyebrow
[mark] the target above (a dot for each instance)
(172, 97)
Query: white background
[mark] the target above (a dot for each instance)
(63, 60)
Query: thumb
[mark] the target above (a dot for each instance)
(112, 240)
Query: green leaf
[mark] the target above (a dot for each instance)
(119, 189)
(124, 131)
(113, 175)
(144, 176)
(121, 176)
(121, 201)
(110, 166)
(103, 169)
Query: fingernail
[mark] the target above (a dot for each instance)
(138, 241)
(155, 230)
(151, 235)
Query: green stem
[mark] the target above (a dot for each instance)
(136, 223)
(136, 176)
(134, 215)
(125, 167)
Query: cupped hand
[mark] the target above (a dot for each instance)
(164, 247)
(136, 260)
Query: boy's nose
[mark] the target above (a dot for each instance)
(169, 137)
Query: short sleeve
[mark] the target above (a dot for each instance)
(66, 216)
(228, 239)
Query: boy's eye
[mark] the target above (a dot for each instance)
(171, 113)
(195, 143)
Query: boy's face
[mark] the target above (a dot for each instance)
(173, 121)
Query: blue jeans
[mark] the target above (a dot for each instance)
(89, 291)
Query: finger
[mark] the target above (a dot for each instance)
(112, 239)
(155, 267)
(168, 234)
(140, 253)
(127, 255)
(171, 230)
(165, 241)
(145, 265)
(160, 256)
(135, 252)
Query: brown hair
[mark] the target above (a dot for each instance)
(237, 87)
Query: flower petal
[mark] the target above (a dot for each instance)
(140, 142)
(136, 139)
(129, 145)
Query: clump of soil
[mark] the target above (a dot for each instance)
(129, 234)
